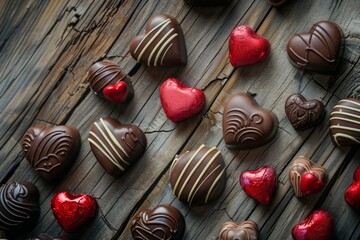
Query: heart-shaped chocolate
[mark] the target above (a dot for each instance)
(51, 151)
(319, 225)
(318, 50)
(259, 184)
(116, 146)
(116, 93)
(306, 177)
(345, 122)
(303, 114)
(277, 3)
(352, 193)
(245, 124)
(19, 207)
(206, 3)
(73, 210)
(162, 222)
(162, 44)
(246, 230)
(198, 177)
(180, 101)
(106, 73)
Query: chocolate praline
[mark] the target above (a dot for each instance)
(19, 207)
(246, 230)
(162, 222)
(51, 151)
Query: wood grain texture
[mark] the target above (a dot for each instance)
(46, 48)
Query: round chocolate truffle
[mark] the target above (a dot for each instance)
(162, 222)
(19, 207)
(198, 177)
(106, 73)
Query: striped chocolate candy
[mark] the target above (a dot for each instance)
(345, 122)
(198, 177)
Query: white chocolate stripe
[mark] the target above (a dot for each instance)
(350, 101)
(152, 30)
(345, 128)
(213, 185)
(345, 113)
(162, 59)
(151, 40)
(345, 120)
(202, 174)
(197, 189)
(113, 138)
(116, 163)
(343, 135)
(158, 45)
(162, 49)
(189, 176)
(349, 108)
(186, 167)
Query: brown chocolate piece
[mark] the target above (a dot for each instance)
(51, 151)
(245, 124)
(198, 177)
(44, 236)
(116, 146)
(318, 50)
(277, 3)
(106, 73)
(246, 230)
(301, 166)
(162, 44)
(206, 3)
(162, 222)
(345, 122)
(303, 114)
(19, 207)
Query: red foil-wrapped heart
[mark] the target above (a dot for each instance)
(246, 47)
(73, 210)
(116, 93)
(259, 184)
(352, 194)
(319, 225)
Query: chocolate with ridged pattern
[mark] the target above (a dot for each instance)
(246, 230)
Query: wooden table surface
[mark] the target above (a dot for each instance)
(46, 48)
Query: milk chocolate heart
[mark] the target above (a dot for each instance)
(116, 146)
(162, 44)
(73, 210)
(345, 122)
(303, 114)
(246, 230)
(259, 184)
(180, 101)
(51, 151)
(306, 177)
(318, 50)
(245, 124)
(319, 225)
(352, 193)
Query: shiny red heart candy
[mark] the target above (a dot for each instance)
(73, 210)
(246, 47)
(310, 184)
(180, 101)
(352, 194)
(116, 93)
(319, 225)
(259, 184)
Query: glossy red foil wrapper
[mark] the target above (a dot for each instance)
(180, 101)
(259, 184)
(310, 184)
(352, 194)
(246, 47)
(116, 93)
(73, 210)
(319, 225)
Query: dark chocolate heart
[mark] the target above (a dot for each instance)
(162, 44)
(106, 73)
(303, 114)
(345, 122)
(19, 207)
(245, 124)
(319, 50)
(51, 151)
(116, 146)
(246, 230)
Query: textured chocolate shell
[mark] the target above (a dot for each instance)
(246, 230)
